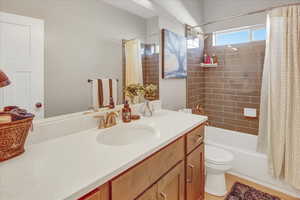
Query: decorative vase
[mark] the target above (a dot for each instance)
(150, 98)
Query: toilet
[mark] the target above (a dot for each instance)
(217, 162)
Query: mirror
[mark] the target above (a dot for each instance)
(140, 70)
(54, 52)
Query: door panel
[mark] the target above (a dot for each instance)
(150, 194)
(195, 174)
(171, 186)
(140, 177)
(22, 59)
(95, 196)
(104, 192)
(16, 43)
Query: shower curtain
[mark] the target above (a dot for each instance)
(133, 69)
(279, 128)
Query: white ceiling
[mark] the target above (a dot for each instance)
(185, 11)
(134, 6)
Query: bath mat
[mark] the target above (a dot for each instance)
(241, 191)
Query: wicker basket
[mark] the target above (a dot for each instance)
(12, 138)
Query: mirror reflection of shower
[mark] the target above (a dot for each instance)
(133, 62)
(140, 64)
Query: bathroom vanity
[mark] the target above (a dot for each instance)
(165, 162)
(174, 172)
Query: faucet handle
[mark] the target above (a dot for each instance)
(102, 121)
(102, 124)
(117, 113)
(111, 119)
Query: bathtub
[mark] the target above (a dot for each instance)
(248, 163)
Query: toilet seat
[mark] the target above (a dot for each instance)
(217, 156)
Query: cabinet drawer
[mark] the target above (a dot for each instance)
(129, 185)
(194, 138)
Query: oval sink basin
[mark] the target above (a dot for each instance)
(125, 134)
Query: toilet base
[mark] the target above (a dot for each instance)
(215, 184)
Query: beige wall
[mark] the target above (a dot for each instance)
(82, 41)
(218, 9)
(172, 91)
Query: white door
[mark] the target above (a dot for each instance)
(22, 59)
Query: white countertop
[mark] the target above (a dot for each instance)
(69, 167)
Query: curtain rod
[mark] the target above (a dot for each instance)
(245, 14)
(91, 80)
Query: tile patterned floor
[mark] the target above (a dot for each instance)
(230, 180)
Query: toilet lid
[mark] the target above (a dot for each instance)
(217, 155)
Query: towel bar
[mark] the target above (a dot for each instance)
(90, 80)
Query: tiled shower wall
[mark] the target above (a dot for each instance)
(150, 64)
(195, 78)
(234, 85)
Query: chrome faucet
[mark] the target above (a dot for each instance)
(108, 121)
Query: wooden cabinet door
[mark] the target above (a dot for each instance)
(171, 186)
(95, 195)
(104, 192)
(101, 193)
(150, 194)
(195, 174)
(132, 183)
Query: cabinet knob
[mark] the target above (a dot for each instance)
(199, 138)
(190, 180)
(38, 105)
(163, 195)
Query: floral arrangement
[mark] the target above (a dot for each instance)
(150, 91)
(134, 91)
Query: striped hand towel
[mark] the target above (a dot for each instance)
(103, 89)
